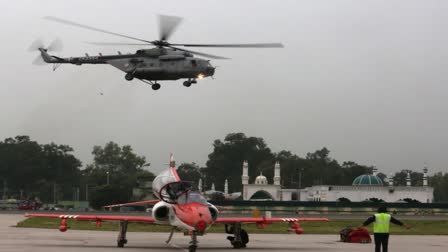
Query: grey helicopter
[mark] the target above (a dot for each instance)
(166, 61)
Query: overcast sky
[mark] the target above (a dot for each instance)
(366, 79)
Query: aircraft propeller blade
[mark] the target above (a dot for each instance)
(67, 22)
(167, 26)
(251, 45)
(211, 56)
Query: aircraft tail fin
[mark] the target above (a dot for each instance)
(47, 57)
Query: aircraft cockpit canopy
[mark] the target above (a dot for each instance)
(191, 197)
(171, 192)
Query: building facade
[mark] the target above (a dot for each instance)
(364, 187)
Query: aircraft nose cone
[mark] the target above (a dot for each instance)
(201, 226)
(210, 71)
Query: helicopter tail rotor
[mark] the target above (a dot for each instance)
(39, 45)
(54, 46)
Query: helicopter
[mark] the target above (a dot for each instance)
(166, 61)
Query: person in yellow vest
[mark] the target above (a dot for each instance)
(381, 222)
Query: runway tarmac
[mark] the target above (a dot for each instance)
(14, 239)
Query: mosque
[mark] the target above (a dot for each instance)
(364, 187)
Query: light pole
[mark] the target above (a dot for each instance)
(299, 185)
(107, 172)
(87, 192)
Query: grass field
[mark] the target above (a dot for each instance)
(420, 227)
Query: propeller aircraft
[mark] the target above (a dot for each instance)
(178, 206)
(166, 61)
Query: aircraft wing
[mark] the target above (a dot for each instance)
(96, 218)
(293, 223)
(136, 203)
(230, 220)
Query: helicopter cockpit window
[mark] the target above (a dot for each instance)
(191, 197)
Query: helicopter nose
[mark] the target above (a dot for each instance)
(210, 71)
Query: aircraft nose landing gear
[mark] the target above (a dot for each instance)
(240, 237)
(193, 242)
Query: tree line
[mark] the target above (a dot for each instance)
(51, 172)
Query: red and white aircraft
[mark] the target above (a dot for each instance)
(182, 209)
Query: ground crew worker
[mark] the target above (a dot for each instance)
(381, 222)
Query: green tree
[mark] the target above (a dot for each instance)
(32, 169)
(439, 182)
(119, 166)
(189, 172)
(351, 170)
(416, 178)
(324, 169)
(226, 160)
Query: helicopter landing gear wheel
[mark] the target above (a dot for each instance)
(193, 82)
(187, 83)
(155, 86)
(129, 76)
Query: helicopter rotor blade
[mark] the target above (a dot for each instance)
(211, 56)
(251, 45)
(117, 43)
(167, 26)
(38, 43)
(67, 22)
(38, 61)
(55, 46)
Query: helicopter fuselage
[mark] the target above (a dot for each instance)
(150, 64)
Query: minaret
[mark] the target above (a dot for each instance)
(425, 175)
(374, 170)
(277, 173)
(226, 187)
(200, 185)
(408, 179)
(245, 177)
(213, 187)
(391, 179)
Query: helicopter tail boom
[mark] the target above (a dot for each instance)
(48, 58)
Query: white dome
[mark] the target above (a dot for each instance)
(261, 180)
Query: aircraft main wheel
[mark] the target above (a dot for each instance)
(120, 244)
(187, 83)
(244, 237)
(129, 76)
(237, 244)
(192, 248)
(155, 86)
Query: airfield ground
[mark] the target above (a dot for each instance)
(14, 239)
